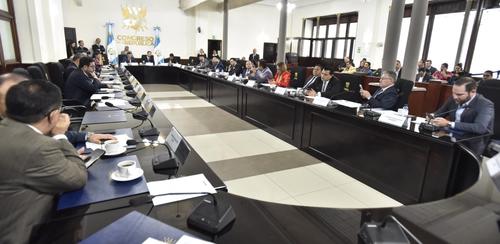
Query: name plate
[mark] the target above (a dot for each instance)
(173, 139)
(250, 83)
(193, 69)
(231, 78)
(280, 90)
(321, 101)
(392, 119)
(210, 73)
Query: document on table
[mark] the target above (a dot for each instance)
(183, 240)
(99, 96)
(179, 188)
(348, 104)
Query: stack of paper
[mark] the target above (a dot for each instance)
(167, 191)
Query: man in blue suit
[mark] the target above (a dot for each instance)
(386, 96)
(83, 82)
(468, 112)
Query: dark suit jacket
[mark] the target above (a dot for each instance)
(75, 137)
(477, 118)
(148, 59)
(71, 67)
(219, 66)
(82, 50)
(309, 82)
(254, 58)
(334, 87)
(234, 70)
(80, 87)
(385, 100)
(99, 48)
(34, 168)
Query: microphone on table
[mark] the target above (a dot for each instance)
(142, 115)
(211, 215)
(428, 126)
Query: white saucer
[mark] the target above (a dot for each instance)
(134, 174)
(122, 150)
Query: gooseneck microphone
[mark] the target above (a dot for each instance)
(142, 115)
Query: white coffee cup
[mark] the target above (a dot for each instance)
(112, 146)
(125, 167)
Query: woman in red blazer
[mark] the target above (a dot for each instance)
(282, 76)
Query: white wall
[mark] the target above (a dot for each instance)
(177, 26)
(210, 21)
(372, 23)
(249, 27)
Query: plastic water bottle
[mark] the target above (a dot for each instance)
(405, 110)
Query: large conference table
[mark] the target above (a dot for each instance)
(449, 199)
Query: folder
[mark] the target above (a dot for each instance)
(102, 117)
(134, 228)
(100, 187)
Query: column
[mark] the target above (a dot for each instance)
(468, 6)
(392, 34)
(224, 30)
(418, 13)
(282, 32)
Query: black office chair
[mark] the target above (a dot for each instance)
(351, 87)
(298, 76)
(36, 72)
(491, 90)
(22, 71)
(404, 88)
(56, 73)
(44, 70)
(65, 62)
(193, 60)
(272, 67)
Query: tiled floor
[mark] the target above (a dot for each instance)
(254, 163)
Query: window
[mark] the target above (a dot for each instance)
(342, 30)
(328, 49)
(9, 48)
(403, 38)
(487, 48)
(353, 27)
(339, 48)
(332, 31)
(322, 31)
(444, 40)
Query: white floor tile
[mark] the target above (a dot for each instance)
(211, 148)
(186, 103)
(272, 141)
(170, 94)
(332, 175)
(257, 187)
(298, 181)
(329, 198)
(368, 196)
(289, 201)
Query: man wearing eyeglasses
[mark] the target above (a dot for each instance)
(386, 96)
(37, 162)
(83, 82)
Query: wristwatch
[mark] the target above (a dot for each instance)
(88, 135)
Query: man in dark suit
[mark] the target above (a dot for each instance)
(386, 96)
(254, 57)
(467, 111)
(316, 74)
(148, 58)
(38, 163)
(83, 82)
(97, 47)
(429, 68)
(204, 63)
(328, 86)
(75, 61)
(234, 68)
(81, 48)
(217, 65)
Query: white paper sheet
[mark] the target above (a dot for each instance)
(99, 96)
(191, 240)
(348, 104)
(188, 184)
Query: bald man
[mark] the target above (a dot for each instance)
(10, 79)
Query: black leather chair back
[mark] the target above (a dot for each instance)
(65, 62)
(351, 86)
(36, 72)
(56, 73)
(44, 70)
(491, 90)
(298, 76)
(272, 67)
(404, 88)
(22, 71)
